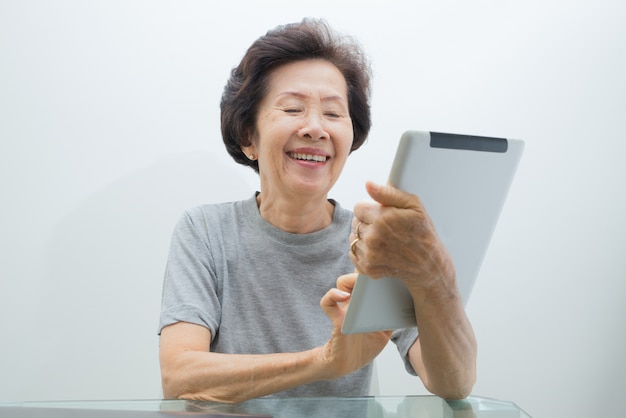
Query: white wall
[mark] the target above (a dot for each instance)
(109, 129)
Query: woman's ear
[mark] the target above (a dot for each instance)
(250, 152)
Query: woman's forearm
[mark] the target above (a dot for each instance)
(237, 377)
(445, 353)
(190, 370)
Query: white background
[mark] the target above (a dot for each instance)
(109, 129)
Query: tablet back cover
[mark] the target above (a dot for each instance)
(463, 182)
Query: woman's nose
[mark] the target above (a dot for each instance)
(313, 127)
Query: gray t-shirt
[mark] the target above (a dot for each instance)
(257, 288)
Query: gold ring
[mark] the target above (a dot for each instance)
(357, 232)
(353, 245)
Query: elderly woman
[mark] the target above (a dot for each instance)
(255, 291)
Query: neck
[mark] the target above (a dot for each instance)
(295, 216)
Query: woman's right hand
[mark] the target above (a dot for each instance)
(344, 354)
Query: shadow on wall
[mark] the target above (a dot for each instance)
(99, 302)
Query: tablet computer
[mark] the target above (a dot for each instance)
(462, 181)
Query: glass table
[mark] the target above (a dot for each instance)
(367, 407)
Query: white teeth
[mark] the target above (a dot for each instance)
(308, 157)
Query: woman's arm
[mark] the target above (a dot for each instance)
(190, 371)
(398, 239)
(444, 355)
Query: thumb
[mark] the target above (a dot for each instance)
(388, 195)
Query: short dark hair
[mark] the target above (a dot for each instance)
(249, 81)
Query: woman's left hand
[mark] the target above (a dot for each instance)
(396, 238)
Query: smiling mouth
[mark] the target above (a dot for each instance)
(308, 157)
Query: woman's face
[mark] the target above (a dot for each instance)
(303, 130)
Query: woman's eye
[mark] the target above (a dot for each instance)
(292, 110)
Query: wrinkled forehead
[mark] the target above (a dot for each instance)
(307, 79)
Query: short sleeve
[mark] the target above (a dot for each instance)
(404, 339)
(190, 289)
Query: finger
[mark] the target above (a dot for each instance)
(330, 303)
(357, 228)
(346, 282)
(388, 195)
(356, 225)
(366, 213)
